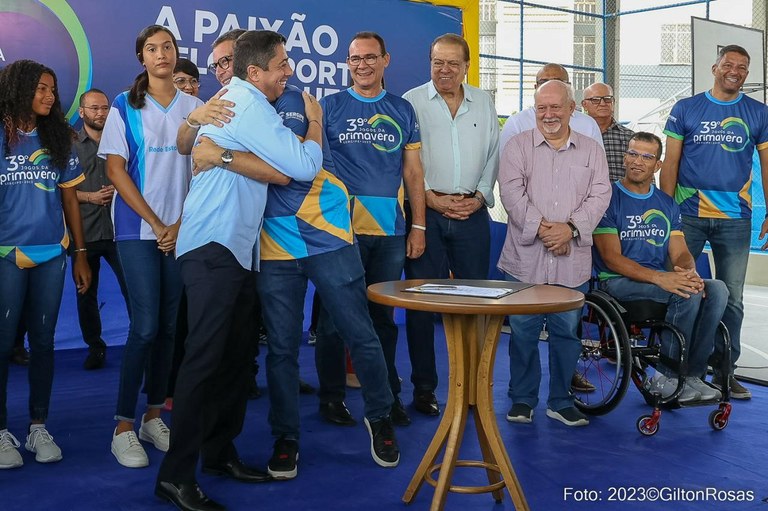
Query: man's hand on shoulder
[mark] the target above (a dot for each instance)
(312, 109)
(215, 111)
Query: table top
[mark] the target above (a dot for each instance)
(538, 299)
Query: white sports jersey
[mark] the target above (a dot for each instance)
(146, 138)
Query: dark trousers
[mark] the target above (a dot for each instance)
(88, 309)
(461, 246)
(212, 386)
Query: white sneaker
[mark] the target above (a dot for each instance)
(157, 432)
(128, 450)
(686, 396)
(707, 393)
(40, 442)
(9, 453)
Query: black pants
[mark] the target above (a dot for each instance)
(88, 310)
(212, 386)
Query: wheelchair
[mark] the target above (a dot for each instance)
(620, 341)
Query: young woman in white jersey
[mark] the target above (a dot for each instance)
(151, 178)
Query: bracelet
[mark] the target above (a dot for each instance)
(315, 120)
(193, 126)
(80, 250)
(419, 227)
(478, 199)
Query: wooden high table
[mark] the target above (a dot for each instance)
(472, 328)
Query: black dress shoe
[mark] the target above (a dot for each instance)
(238, 471)
(398, 415)
(336, 412)
(426, 403)
(95, 359)
(186, 496)
(20, 356)
(305, 388)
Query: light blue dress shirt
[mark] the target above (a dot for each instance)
(227, 208)
(461, 154)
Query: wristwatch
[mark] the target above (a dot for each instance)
(226, 158)
(574, 229)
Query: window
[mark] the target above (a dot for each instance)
(676, 44)
(583, 79)
(589, 6)
(487, 10)
(584, 50)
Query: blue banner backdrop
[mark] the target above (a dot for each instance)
(91, 44)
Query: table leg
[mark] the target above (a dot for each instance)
(458, 355)
(487, 416)
(455, 394)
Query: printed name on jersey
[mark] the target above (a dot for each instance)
(732, 134)
(296, 116)
(380, 131)
(653, 227)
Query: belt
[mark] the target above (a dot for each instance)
(465, 195)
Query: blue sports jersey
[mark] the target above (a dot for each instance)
(715, 174)
(367, 137)
(643, 224)
(305, 218)
(32, 227)
(146, 139)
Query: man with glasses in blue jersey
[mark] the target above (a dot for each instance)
(641, 255)
(374, 140)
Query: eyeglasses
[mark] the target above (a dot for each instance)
(647, 157)
(95, 109)
(597, 99)
(452, 64)
(354, 60)
(223, 63)
(542, 81)
(180, 83)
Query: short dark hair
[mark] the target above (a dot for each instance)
(92, 90)
(644, 136)
(731, 48)
(232, 35)
(255, 48)
(371, 35)
(186, 66)
(451, 39)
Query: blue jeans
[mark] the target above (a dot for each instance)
(461, 246)
(524, 363)
(730, 239)
(153, 281)
(697, 317)
(339, 279)
(34, 293)
(382, 258)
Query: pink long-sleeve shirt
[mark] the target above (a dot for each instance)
(539, 182)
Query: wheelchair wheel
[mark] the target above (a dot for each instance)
(718, 420)
(605, 358)
(647, 426)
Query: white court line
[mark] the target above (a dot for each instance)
(754, 350)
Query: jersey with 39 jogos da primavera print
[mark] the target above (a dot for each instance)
(719, 138)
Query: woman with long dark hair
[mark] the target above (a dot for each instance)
(38, 176)
(152, 179)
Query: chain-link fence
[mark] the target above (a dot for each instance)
(640, 47)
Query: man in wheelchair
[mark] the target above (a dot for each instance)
(641, 255)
